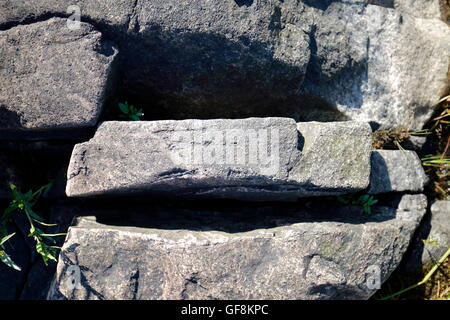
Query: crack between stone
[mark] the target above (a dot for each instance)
(133, 17)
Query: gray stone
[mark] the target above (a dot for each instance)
(431, 240)
(439, 236)
(427, 9)
(52, 77)
(396, 171)
(216, 255)
(384, 61)
(415, 143)
(251, 159)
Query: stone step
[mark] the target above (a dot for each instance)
(54, 80)
(247, 159)
(374, 60)
(204, 254)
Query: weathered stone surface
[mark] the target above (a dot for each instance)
(309, 253)
(396, 171)
(439, 232)
(428, 9)
(52, 77)
(432, 238)
(376, 60)
(415, 143)
(252, 159)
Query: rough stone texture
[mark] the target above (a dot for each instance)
(396, 171)
(428, 9)
(52, 77)
(415, 143)
(440, 232)
(226, 256)
(379, 60)
(435, 230)
(252, 159)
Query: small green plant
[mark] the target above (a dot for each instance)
(430, 242)
(130, 112)
(435, 161)
(365, 200)
(4, 257)
(22, 203)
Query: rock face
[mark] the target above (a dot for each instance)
(439, 236)
(432, 238)
(52, 77)
(252, 159)
(379, 61)
(298, 259)
(396, 171)
(428, 9)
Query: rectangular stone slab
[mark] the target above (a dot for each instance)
(396, 171)
(203, 258)
(250, 159)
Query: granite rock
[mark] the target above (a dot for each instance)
(250, 159)
(432, 238)
(396, 171)
(53, 78)
(381, 61)
(224, 256)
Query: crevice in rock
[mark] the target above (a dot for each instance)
(225, 215)
(246, 3)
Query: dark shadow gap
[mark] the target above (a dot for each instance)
(230, 216)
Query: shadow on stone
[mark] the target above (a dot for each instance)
(204, 76)
(338, 292)
(8, 119)
(231, 217)
(184, 74)
(379, 174)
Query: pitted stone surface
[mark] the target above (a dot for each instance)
(208, 255)
(396, 171)
(373, 60)
(252, 159)
(52, 77)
